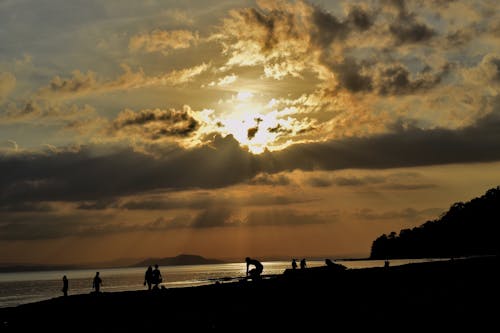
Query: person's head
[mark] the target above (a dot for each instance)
(156, 265)
(97, 273)
(247, 259)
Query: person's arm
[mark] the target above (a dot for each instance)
(247, 267)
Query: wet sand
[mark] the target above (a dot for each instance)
(456, 294)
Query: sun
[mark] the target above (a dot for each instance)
(251, 123)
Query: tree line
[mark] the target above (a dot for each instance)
(470, 228)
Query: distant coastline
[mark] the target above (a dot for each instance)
(182, 259)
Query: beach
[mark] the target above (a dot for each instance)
(449, 293)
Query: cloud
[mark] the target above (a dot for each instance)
(7, 85)
(319, 182)
(270, 179)
(407, 30)
(47, 113)
(395, 79)
(408, 187)
(286, 217)
(358, 181)
(154, 124)
(224, 81)
(81, 84)
(485, 72)
(27, 207)
(163, 41)
(96, 172)
(51, 225)
(410, 214)
(213, 217)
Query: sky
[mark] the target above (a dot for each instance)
(135, 129)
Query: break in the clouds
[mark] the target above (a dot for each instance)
(157, 116)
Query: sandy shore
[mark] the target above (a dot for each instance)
(450, 294)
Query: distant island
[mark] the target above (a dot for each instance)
(466, 229)
(182, 259)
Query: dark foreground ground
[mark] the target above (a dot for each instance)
(461, 294)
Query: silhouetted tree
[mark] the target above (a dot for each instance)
(470, 228)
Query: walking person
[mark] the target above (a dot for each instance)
(156, 277)
(97, 283)
(148, 277)
(65, 285)
(303, 264)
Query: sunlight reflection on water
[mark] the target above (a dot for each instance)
(26, 287)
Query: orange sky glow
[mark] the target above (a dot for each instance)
(268, 128)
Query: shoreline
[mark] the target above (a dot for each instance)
(453, 292)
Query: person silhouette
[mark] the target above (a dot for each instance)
(303, 264)
(156, 277)
(294, 264)
(148, 277)
(65, 285)
(254, 272)
(96, 284)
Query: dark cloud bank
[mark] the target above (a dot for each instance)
(84, 175)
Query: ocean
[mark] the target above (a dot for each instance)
(18, 288)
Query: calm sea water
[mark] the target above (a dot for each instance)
(27, 287)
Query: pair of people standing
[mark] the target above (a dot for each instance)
(303, 264)
(153, 277)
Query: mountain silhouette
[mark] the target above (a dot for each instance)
(466, 229)
(182, 259)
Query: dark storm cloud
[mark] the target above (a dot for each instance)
(409, 31)
(329, 28)
(27, 207)
(404, 147)
(360, 18)
(155, 124)
(384, 79)
(84, 175)
(396, 80)
(406, 28)
(349, 75)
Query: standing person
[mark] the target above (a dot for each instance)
(303, 264)
(148, 277)
(65, 285)
(156, 277)
(96, 284)
(254, 272)
(294, 264)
